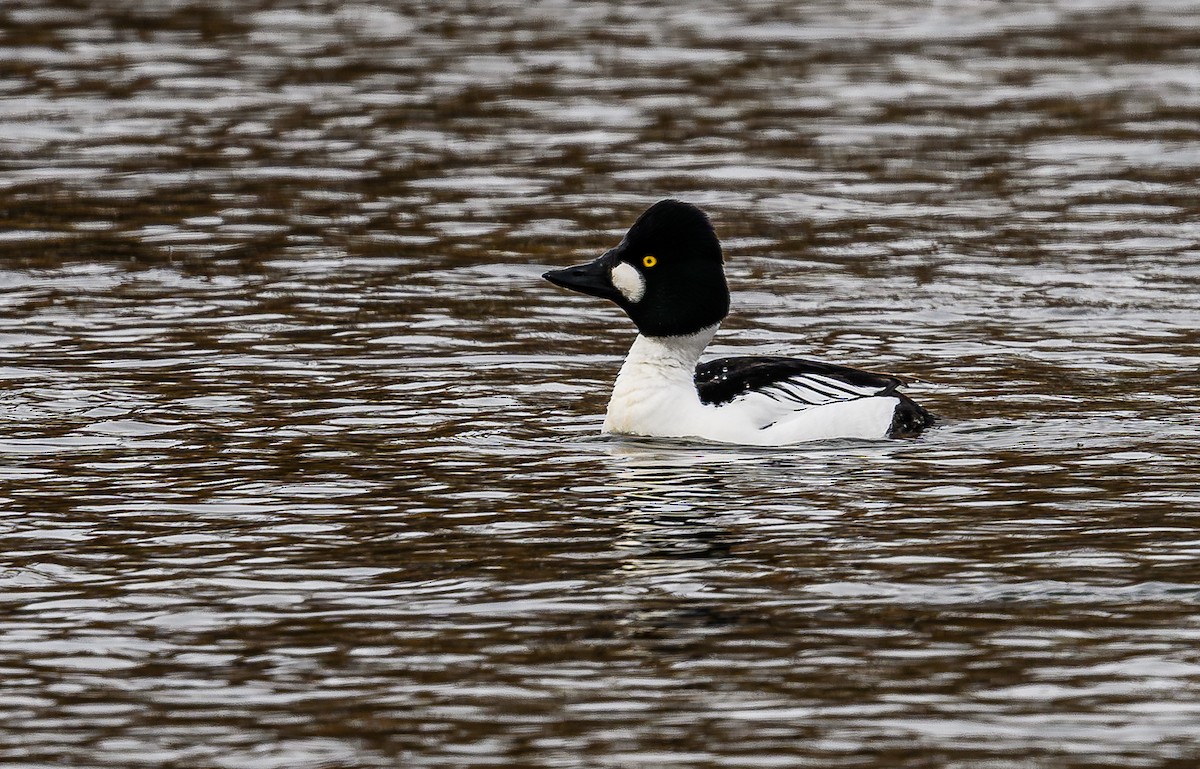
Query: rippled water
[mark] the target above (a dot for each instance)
(299, 455)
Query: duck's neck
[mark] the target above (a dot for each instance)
(669, 353)
(655, 393)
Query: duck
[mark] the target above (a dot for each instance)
(667, 274)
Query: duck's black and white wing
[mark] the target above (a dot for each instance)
(774, 388)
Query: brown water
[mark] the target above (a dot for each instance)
(299, 461)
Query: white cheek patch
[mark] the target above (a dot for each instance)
(626, 279)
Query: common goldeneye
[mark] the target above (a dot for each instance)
(667, 275)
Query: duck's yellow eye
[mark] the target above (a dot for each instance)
(649, 261)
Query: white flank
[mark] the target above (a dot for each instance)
(655, 395)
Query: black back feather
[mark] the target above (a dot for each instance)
(721, 381)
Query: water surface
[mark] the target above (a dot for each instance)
(299, 461)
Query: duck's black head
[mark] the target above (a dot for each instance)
(666, 273)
